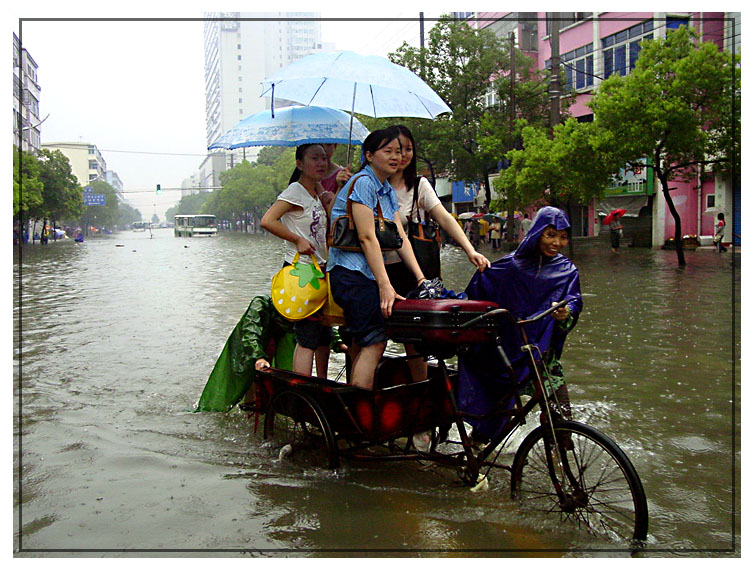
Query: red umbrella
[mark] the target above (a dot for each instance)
(614, 214)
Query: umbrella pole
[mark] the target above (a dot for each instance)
(350, 127)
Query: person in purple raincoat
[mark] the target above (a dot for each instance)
(526, 282)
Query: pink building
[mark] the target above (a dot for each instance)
(594, 45)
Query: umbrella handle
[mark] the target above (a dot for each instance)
(350, 127)
(272, 101)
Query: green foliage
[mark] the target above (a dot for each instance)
(675, 107)
(62, 196)
(127, 214)
(27, 185)
(106, 215)
(680, 107)
(189, 204)
(460, 63)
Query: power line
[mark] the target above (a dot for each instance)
(153, 153)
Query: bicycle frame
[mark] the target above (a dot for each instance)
(517, 415)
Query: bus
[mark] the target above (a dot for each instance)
(195, 225)
(141, 226)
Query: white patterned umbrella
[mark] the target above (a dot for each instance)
(293, 126)
(370, 85)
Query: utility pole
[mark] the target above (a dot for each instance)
(555, 91)
(421, 29)
(421, 40)
(511, 122)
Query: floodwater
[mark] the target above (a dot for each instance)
(119, 334)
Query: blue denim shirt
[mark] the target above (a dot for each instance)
(367, 189)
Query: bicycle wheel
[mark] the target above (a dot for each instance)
(587, 479)
(295, 419)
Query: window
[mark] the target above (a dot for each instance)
(710, 201)
(675, 22)
(579, 67)
(566, 19)
(614, 48)
(239, 57)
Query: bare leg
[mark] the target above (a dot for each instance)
(302, 360)
(365, 363)
(417, 366)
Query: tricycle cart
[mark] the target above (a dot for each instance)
(562, 468)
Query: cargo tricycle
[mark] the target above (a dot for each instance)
(562, 469)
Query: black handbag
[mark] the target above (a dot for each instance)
(343, 233)
(425, 241)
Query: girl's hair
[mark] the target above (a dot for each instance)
(300, 153)
(409, 173)
(376, 140)
(720, 216)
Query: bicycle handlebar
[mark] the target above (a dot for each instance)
(545, 313)
(508, 314)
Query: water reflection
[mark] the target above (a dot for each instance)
(121, 332)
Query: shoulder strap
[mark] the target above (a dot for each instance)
(349, 207)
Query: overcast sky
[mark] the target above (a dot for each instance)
(135, 89)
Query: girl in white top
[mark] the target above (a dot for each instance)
(403, 182)
(298, 217)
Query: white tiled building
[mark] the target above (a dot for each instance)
(240, 50)
(26, 92)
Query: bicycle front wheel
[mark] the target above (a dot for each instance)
(583, 477)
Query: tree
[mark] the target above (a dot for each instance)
(189, 204)
(562, 169)
(128, 214)
(680, 107)
(62, 196)
(102, 215)
(27, 185)
(461, 64)
(524, 101)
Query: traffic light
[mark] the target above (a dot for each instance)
(159, 190)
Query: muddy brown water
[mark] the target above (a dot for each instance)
(114, 339)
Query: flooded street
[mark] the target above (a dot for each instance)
(119, 335)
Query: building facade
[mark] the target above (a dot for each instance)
(26, 93)
(596, 45)
(240, 50)
(87, 163)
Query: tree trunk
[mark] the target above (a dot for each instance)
(676, 217)
(487, 190)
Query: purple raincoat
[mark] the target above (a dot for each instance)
(526, 283)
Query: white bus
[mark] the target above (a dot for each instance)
(195, 225)
(141, 226)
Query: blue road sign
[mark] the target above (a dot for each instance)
(94, 199)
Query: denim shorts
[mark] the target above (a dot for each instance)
(360, 299)
(310, 333)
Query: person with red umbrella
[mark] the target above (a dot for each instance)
(616, 227)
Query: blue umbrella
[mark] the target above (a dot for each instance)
(292, 126)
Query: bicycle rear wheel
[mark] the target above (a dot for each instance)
(586, 479)
(295, 419)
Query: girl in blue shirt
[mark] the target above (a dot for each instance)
(359, 281)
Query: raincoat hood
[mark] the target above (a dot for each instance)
(547, 216)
